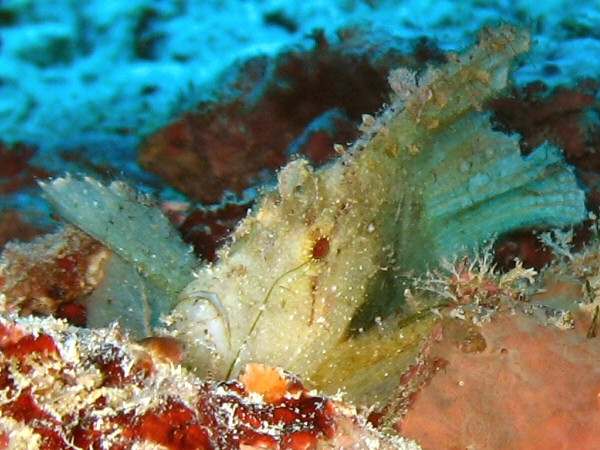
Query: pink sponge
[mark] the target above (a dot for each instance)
(532, 387)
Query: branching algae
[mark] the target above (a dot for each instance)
(326, 252)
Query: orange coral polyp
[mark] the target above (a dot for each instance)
(266, 381)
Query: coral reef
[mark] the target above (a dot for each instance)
(55, 270)
(17, 180)
(310, 100)
(65, 387)
(333, 276)
(129, 65)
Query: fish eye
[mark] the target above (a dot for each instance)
(321, 248)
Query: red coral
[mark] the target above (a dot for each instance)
(29, 344)
(25, 409)
(15, 171)
(300, 101)
(110, 392)
(290, 417)
(524, 246)
(207, 228)
(173, 425)
(73, 313)
(51, 272)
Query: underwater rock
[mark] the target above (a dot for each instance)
(16, 171)
(524, 375)
(51, 272)
(269, 109)
(532, 386)
(18, 182)
(328, 252)
(15, 226)
(565, 117)
(207, 228)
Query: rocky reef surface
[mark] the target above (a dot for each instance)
(362, 268)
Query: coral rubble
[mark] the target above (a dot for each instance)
(65, 387)
(54, 270)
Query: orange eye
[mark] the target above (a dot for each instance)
(321, 248)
